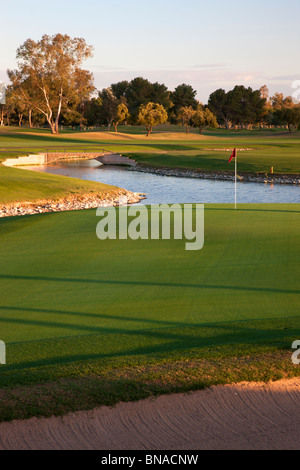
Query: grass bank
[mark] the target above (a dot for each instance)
(19, 185)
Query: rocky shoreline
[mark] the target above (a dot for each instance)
(70, 203)
(220, 175)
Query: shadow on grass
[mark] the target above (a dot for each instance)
(100, 316)
(47, 139)
(151, 284)
(101, 342)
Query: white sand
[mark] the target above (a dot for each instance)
(242, 416)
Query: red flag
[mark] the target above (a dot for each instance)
(232, 156)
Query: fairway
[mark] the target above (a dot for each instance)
(76, 308)
(168, 147)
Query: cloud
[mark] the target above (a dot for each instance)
(245, 78)
(110, 68)
(209, 66)
(287, 77)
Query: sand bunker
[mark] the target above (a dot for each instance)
(160, 135)
(243, 416)
(104, 135)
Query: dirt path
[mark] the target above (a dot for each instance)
(244, 416)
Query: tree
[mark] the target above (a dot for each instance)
(138, 93)
(2, 114)
(266, 115)
(109, 105)
(119, 89)
(121, 115)
(161, 95)
(93, 112)
(183, 96)
(219, 104)
(16, 104)
(20, 93)
(289, 116)
(52, 65)
(84, 90)
(151, 115)
(246, 105)
(185, 115)
(9, 106)
(264, 92)
(241, 106)
(203, 117)
(277, 101)
(284, 111)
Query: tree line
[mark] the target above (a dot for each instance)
(49, 87)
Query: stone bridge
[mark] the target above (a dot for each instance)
(104, 157)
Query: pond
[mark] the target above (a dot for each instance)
(169, 189)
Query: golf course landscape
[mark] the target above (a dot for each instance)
(168, 146)
(90, 322)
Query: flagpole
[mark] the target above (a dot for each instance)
(235, 175)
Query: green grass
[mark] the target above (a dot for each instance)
(170, 147)
(17, 185)
(283, 160)
(90, 322)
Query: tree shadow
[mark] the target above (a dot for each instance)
(150, 284)
(167, 337)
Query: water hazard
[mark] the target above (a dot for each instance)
(169, 189)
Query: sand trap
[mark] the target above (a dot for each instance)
(243, 416)
(104, 135)
(154, 136)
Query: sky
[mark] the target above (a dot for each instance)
(207, 44)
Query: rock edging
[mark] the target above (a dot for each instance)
(219, 175)
(70, 203)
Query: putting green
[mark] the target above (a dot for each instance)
(59, 280)
(73, 306)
